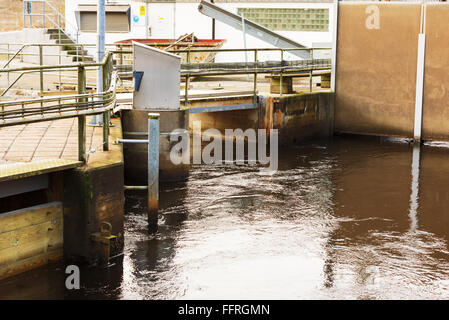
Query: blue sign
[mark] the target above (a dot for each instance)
(136, 19)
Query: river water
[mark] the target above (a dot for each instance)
(355, 218)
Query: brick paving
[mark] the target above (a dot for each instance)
(46, 140)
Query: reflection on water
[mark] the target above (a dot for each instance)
(352, 219)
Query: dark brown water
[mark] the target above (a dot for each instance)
(351, 219)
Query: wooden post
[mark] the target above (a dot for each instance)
(153, 171)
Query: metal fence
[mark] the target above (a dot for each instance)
(69, 106)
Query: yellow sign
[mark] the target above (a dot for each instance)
(142, 10)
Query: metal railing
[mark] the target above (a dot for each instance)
(70, 106)
(282, 67)
(50, 13)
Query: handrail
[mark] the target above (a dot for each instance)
(55, 12)
(15, 55)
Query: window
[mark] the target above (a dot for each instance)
(117, 18)
(292, 19)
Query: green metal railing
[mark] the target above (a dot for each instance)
(69, 106)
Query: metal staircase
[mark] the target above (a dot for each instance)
(42, 14)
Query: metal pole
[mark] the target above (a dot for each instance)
(244, 42)
(41, 72)
(255, 78)
(153, 171)
(106, 131)
(82, 119)
(96, 120)
(82, 139)
(213, 24)
(311, 69)
(147, 30)
(280, 75)
(186, 89)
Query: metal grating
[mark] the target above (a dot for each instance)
(289, 19)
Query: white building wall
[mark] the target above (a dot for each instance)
(171, 20)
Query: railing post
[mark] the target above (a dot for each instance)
(82, 118)
(186, 92)
(311, 70)
(280, 74)
(153, 171)
(255, 78)
(106, 115)
(41, 72)
(82, 138)
(59, 28)
(82, 82)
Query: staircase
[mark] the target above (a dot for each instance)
(59, 37)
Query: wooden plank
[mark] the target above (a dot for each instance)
(30, 216)
(30, 237)
(35, 233)
(27, 169)
(30, 263)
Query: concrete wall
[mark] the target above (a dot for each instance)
(11, 13)
(376, 69)
(436, 80)
(297, 117)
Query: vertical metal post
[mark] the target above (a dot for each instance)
(106, 131)
(100, 52)
(186, 89)
(244, 42)
(280, 75)
(43, 14)
(255, 79)
(121, 52)
(419, 87)
(59, 60)
(82, 118)
(153, 171)
(41, 72)
(59, 29)
(82, 138)
(334, 44)
(8, 60)
(30, 11)
(311, 70)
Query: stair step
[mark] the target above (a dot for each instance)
(56, 36)
(52, 31)
(86, 58)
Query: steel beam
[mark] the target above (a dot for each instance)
(254, 29)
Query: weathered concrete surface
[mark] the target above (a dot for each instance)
(94, 194)
(222, 120)
(436, 81)
(136, 155)
(376, 69)
(298, 117)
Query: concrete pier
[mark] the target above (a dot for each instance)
(40, 168)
